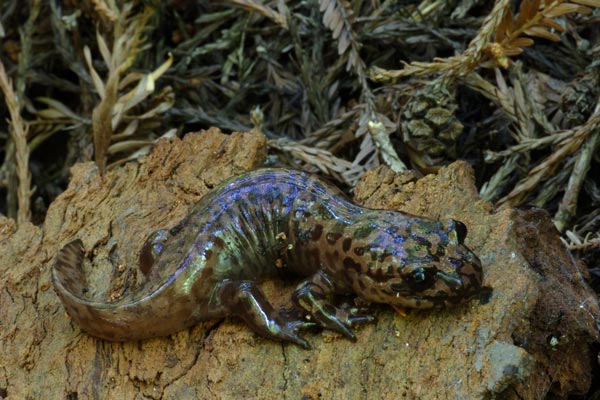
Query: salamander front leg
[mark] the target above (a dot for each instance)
(315, 296)
(246, 300)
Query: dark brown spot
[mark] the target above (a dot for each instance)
(218, 242)
(377, 275)
(349, 263)
(346, 244)
(421, 240)
(333, 237)
(361, 284)
(208, 254)
(390, 271)
(316, 232)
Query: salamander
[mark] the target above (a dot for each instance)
(267, 223)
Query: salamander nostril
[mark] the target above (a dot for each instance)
(456, 262)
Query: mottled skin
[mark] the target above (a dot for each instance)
(268, 222)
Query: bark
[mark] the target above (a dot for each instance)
(529, 337)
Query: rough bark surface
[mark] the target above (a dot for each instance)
(528, 338)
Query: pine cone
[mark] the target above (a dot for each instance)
(578, 100)
(429, 123)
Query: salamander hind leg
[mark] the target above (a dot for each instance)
(245, 300)
(315, 296)
(152, 248)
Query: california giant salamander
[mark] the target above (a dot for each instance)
(264, 223)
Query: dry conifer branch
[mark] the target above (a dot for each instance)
(332, 130)
(141, 147)
(498, 94)
(456, 65)
(553, 184)
(18, 133)
(584, 239)
(365, 159)
(112, 110)
(338, 16)
(588, 224)
(25, 55)
(587, 245)
(535, 18)
(18, 187)
(492, 189)
(568, 206)
(566, 147)
(526, 145)
(522, 109)
(321, 159)
(382, 140)
(253, 6)
(103, 10)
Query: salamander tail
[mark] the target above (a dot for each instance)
(67, 273)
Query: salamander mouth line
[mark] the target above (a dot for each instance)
(456, 283)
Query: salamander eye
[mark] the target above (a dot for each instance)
(457, 231)
(420, 278)
(418, 275)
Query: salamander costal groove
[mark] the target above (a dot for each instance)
(271, 222)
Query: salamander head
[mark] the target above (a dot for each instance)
(422, 264)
